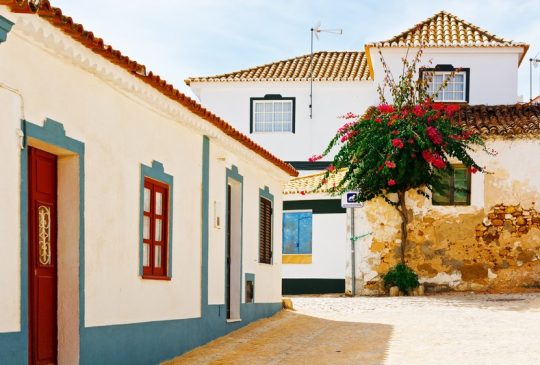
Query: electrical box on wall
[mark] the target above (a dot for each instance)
(218, 220)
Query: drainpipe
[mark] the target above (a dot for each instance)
(353, 258)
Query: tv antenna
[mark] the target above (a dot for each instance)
(315, 32)
(535, 61)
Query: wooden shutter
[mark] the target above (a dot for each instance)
(265, 231)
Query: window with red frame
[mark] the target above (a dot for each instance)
(155, 229)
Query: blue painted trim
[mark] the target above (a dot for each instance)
(14, 345)
(265, 193)
(205, 206)
(5, 27)
(250, 277)
(155, 342)
(156, 172)
(233, 174)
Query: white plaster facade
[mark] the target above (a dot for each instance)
(123, 123)
(231, 100)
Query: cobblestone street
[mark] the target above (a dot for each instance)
(442, 329)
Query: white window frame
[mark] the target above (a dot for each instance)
(257, 126)
(441, 96)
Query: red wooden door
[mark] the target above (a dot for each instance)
(42, 273)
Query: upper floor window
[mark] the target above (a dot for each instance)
(273, 113)
(457, 188)
(457, 83)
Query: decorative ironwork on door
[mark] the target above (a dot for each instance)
(44, 235)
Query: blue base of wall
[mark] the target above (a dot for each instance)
(144, 343)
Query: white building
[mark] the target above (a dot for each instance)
(135, 224)
(271, 104)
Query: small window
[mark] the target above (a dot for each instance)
(155, 226)
(249, 291)
(457, 189)
(456, 89)
(265, 231)
(297, 232)
(272, 114)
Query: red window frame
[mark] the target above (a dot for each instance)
(154, 241)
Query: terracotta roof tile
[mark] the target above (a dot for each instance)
(447, 30)
(308, 184)
(327, 66)
(508, 121)
(76, 31)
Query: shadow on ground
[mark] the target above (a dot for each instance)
(292, 338)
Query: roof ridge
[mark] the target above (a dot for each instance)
(449, 14)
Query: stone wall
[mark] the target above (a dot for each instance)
(469, 251)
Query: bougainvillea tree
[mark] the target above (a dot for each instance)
(403, 144)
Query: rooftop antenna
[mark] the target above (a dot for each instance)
(535, 61)
(315, 32)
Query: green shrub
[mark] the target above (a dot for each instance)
(401, 276)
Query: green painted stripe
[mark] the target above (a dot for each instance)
(319, 206)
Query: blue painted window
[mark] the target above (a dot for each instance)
(297, 232)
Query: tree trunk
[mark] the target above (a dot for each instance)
(402, 209)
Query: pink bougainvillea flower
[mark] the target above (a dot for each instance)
(451, 109)
(302, 192)
(390, 164)
(410, 141)
(391, 182)
(472, 170)
(314, 158)
(397, 142)
(437, 106)
(330, 168)
(349, 115)
(378, 120)
(324, 181)
(385, 108)
(419, 111)
(426, 154)
(395, 132)
(438, 163)
(434, 135)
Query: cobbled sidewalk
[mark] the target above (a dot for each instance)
(456, 329)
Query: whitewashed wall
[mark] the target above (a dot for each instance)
(493, 72)
(123, 123)
(231, 101)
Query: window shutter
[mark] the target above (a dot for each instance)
(265, 231)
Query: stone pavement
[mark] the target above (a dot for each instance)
(443, 329)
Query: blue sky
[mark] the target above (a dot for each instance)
(180, 38)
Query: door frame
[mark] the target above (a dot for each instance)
(50, 137)
(233, 178)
